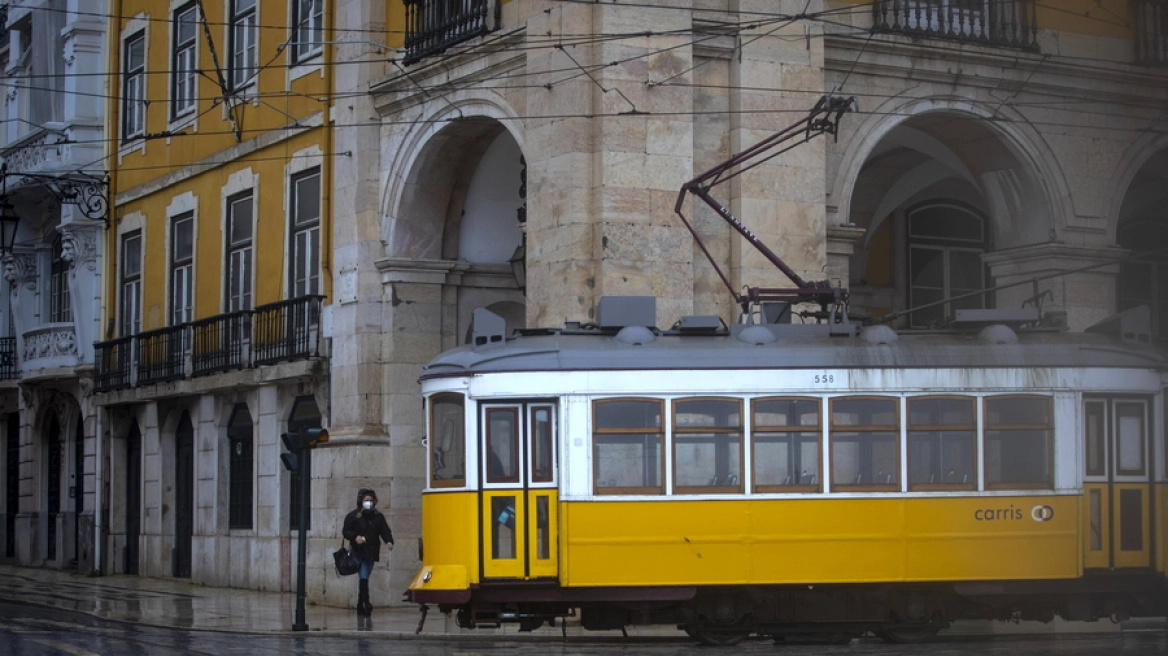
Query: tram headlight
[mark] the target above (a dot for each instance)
(426, 576)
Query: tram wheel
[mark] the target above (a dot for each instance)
(907, 635)
(718, 638)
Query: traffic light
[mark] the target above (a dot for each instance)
(297, 442)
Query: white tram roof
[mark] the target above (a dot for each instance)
(791, 346)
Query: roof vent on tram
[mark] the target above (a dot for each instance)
(1132, 325)
(488, 328)
(625, 311)
(879, 334)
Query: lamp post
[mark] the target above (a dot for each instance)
(298, 459)
(87, 192)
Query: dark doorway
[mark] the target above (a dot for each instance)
(12, 489)
(77, 490)
(184, 495)
(133, 497)
(54, 496)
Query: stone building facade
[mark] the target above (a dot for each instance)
(52, 147)
(1003, 145)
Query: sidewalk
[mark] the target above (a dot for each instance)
(178, 604)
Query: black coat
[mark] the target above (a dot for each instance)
(372, 525)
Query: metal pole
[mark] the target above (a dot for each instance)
(302, 459)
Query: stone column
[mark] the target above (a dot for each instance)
(360, 434)
(780, 69)
(1086, 297)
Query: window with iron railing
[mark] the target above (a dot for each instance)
(432, 26)
(1010, 23)
(276, 332)
(1151, 21)
(131, 301)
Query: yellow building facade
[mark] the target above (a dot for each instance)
(217, 309)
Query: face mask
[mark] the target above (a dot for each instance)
(368, 505)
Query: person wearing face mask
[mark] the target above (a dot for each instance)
(365, 529)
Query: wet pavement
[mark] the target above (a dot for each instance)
(179, 604)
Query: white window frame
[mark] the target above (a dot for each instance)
(305, 238)
(184, 64)
(134, 104)
(248, 20)
(130, 286)
(182, 272)
(241, 254)
(307, 27)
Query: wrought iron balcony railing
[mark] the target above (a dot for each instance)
(434, 25)
(220, 343)
(278, 332)
(161, 354)
(288, 330)
(113, 359)
(8, 368)
(1151, 31)
(1008, 23)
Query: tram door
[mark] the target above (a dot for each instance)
(519, 499)
(1117, 484)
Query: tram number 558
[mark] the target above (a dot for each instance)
(823, 379)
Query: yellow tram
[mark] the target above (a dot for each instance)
(786, 479)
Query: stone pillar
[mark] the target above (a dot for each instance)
(360, 434)
(781, 201)
(1086, 297)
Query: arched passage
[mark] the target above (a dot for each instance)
(1142, 229)
(461, 202)
(933, 196)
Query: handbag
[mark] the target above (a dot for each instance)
(347, 563)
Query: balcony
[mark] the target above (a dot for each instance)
(1002, 23)
(48, 346)
(270, 334)
(432, 26)
(1151, 31)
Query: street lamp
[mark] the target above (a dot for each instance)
(8, 223)
(519, 264)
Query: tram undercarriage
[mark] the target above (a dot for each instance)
(895, 612)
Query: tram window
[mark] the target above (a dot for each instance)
(865, 444)
(1096, 416)
(1129, 434)
(627, 446)
(941, 437)
(707, 446)
(447, 441)
(786, 445)
(542, 444)
(1018, 442)
(502, 445)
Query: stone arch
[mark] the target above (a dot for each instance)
(421, 192)
(1014, 132)
(1134, 160)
